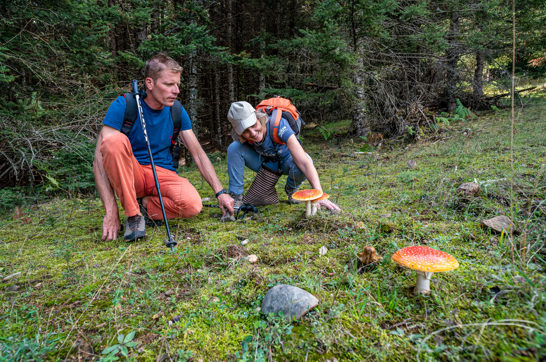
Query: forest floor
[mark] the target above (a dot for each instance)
(68, 295)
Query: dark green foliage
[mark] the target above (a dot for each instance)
(63, 61)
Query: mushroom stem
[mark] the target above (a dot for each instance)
(308, 211)
(423, 282)
(313, 207)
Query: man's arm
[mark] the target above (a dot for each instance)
(206, 169)
(111, 223)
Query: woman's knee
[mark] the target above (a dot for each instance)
(235, 148)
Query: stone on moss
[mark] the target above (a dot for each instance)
(292, 301)
(469, 189)
(500, 223)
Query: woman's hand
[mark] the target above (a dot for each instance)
(327, 204)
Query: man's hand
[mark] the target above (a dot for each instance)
(329, 205)
(226, 204)
(110, 227)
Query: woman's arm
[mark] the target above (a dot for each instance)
(303, 162)
(306, 166)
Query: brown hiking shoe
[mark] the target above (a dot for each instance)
(135, 228)
(237, 200)
(144, 212)
(290, 191)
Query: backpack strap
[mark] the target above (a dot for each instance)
(131, 113)
(276, 114)
(176, 116)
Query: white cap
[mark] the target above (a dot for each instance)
(241, 115)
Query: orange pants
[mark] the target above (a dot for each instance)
(132, 180)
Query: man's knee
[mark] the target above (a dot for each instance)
(188, 204)
(114, 143)
(193, 208)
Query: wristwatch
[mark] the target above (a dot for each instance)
(222, 191)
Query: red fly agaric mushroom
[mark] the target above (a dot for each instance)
(314, 202)
(425, 261)
(307, 196)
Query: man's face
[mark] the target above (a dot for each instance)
(164, 90)
(255, 133)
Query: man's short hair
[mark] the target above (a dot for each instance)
(158, 63)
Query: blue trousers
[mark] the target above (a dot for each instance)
(240, 155)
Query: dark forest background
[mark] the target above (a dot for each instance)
(390, 67)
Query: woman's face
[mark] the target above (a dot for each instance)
(255, 133)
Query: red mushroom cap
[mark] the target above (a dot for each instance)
(323, 197)
(307, 195)
(425, 259)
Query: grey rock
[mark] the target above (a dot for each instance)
(498, 223)
(412, 164)
(292, 301)
(469, 189)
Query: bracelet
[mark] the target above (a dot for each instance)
(222, 191)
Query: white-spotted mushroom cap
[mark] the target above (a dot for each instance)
(307, 195)
(425, 259)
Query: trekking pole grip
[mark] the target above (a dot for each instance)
(134, 86)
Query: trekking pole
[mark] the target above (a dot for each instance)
(170, 243)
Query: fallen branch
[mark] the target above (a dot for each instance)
(507, 94)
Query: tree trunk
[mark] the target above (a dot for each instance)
(452, 58)
(218, 118)
(477, 83)
(360, 126)
(261, 76)
(112, 36)
(192, 86)
(229, 37)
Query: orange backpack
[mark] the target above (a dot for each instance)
(276, 108)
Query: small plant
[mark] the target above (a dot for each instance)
(326, 133)
(19, 348)
(267, 335)
(443, 118)
(125, 342)
(64, 250)
(461, 112)
(366, 147)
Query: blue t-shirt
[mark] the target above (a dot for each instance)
(159, 127)
(268, 147)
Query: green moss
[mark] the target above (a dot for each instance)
(72, 286)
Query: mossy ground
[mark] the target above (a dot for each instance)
(70, 295)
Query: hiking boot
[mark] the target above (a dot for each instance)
(237, 200)
(262, 191)
(135, 228)
(144, 212)
(289, 192)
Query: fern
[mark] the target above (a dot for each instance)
(461, 112)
